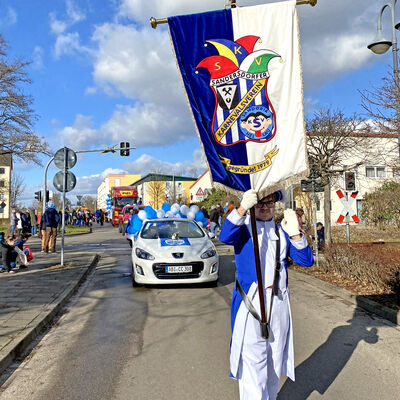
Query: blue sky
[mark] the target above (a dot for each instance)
(102, 75)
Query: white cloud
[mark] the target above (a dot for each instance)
(57, 27)
(91, 90)
(37, 58)
(67, 42)
(89, 184)
(147, 125)
(80, 134)
(74, 13)
(146, 164)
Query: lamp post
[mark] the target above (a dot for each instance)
(381, 45)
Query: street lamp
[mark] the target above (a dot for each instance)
(381, 45)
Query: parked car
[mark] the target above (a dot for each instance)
(171, 251)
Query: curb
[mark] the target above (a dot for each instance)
(34, 328)
(361, 301)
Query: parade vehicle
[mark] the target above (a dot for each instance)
(173, 251)
(124, 215)
(120, 197)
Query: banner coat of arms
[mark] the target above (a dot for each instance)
(242, 75)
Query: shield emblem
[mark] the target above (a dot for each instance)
(239, 77)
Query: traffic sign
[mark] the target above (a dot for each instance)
(347, 207)
(58, 181)
(200, 192)
(59, 158)
(307, 185)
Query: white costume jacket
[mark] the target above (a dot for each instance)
(236, 231)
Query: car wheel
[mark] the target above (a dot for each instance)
(134, 283)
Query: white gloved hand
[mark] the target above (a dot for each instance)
(290, 223)
(249, 199)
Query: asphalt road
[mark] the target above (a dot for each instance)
(119, 342)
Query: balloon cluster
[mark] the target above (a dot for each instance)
(167, 211)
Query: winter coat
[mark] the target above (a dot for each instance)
(13, 219)
(51, 218)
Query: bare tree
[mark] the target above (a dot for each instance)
(17, 188)
(382, 107)
(89, 202)
(16, 114)
(335, 144)
(156, 191)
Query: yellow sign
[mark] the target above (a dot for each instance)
(126, 192)
(250, 169)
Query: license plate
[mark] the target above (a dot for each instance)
(178, 269)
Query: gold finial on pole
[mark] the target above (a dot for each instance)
(232, 3)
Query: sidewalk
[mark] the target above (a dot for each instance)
(30, 298)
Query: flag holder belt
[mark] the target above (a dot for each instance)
(154, 21)
(264, 326)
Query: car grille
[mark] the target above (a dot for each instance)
(159, 270)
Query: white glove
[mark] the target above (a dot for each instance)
(249, 199)
(290, 223)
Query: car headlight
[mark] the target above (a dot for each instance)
(143, 254)
(209, 253)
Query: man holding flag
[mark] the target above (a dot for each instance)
(256, 362)
(242, 75)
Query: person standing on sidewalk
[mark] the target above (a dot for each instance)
(13, 221)
(33, 217)
(51, 218)
(257, 362)
(214, 218)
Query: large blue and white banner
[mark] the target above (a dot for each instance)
(242, 75)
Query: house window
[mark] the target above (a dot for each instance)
(2, 170)
(375, 172)
(1, 210)
(117, 182)
(2, 184)
(318, 205)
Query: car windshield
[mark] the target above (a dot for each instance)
(171, 230)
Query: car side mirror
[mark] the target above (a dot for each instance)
(210, 235)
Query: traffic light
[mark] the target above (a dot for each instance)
(47, 196)
(124, 149)
(38, 195)
(350, 181)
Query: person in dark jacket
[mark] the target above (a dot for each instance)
(7, 247)
(214, 220)
(26, 222)
(51, 218)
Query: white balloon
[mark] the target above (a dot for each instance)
(142, 215)
(200, 223)
(175, 208)
(194, 208)
(177, 215)
(160, 213)
(169, 214)
(191, 215)
(184, 210)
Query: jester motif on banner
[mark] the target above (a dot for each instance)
(239, 77)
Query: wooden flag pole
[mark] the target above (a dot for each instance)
(263, 323)
(232, 3)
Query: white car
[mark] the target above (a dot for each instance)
(171, 251)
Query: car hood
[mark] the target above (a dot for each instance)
(165, 248)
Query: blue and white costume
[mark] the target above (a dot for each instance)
(258, 363)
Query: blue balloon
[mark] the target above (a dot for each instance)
(199, 216)
(205, 222)
(150, 212)
(137, 223)
(166, 207)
